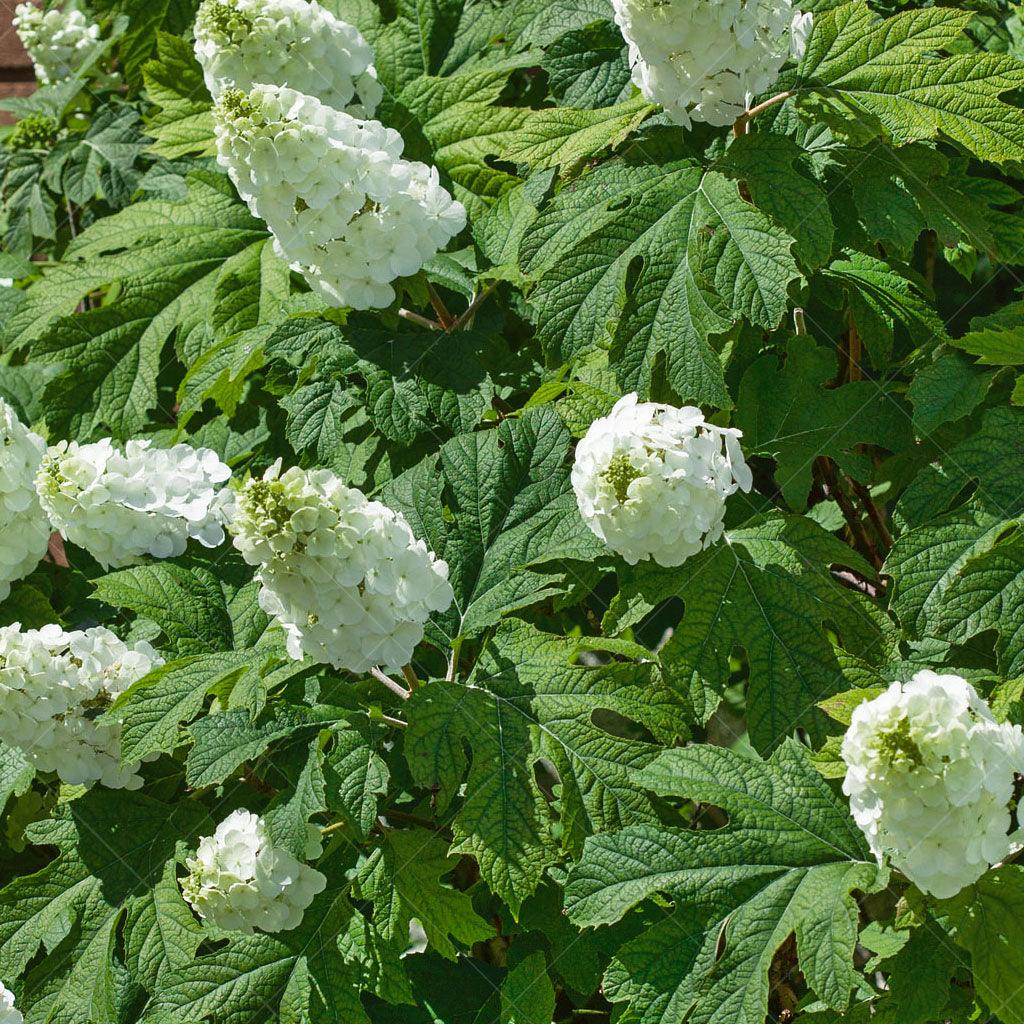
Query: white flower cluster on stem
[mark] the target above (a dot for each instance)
(8, 1014)
(242, 43)
(53, 687)
(238, 880)
(345, 577)
(57, 41)
(652, 480)
(705, 59)
(342, 205)
(121, 505)
(24, 530)
(930, 777)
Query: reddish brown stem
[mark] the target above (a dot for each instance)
(440, 309)
(834, 489)
(874, 513)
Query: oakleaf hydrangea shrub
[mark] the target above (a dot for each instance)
(512, 511)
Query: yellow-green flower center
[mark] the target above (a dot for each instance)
(620, 474)
(897, 747)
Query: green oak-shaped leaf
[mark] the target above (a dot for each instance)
(402, 880)
(511, 508)
(887, 71)
(787, 861)
(113, 848)
(655, 260)
(786, 412)
(989, 921)
(529, 697)
(767, 589)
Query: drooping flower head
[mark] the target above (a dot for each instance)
(24, 530)
(652, 480)
(345, 577)
(930, 776)
(342, 205)
(57, 41)
(242, 43)
(122, 505)
(54, 685)
(704, 60)
(238, 879)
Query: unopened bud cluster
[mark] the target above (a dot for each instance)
(37, 131)
(239, 880)
(705, 59)
(54, 685)
(345, 577)
(652, 480)
(930, 777)
(57, 41)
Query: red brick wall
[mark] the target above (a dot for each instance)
(16, 77)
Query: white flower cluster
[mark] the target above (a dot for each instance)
(238, 880)
(930, 776)
(652, 480)
(242, 43)
(57, 41)
(342, 205)
(121, 505)
(345, 576)
(8, 1014)
(704, 59)
(24, 531)
(54, 685)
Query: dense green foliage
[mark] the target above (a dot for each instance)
(613, 794)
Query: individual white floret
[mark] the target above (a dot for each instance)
(345, 577)
(800, 32)
(652, 480)
(53, 687)
(343, 206)
(8, 1014)
(930, 777)
(238, 879)
(58, 41)
(122, 505)
(24, 530)
(705, 59)
(242, 43)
